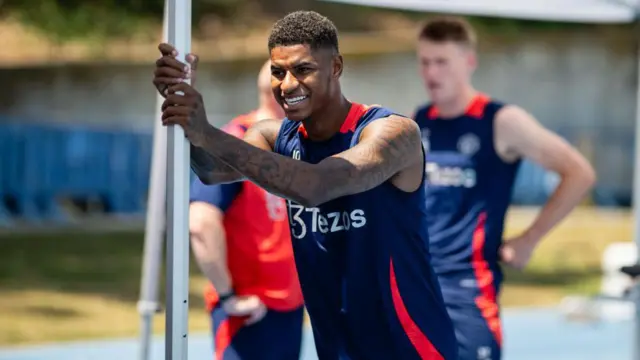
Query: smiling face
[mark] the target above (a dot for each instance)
(303, 79)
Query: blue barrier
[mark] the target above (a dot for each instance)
(533, 185)
(6, 137)
(40, 164)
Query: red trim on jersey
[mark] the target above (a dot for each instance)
(355, 113)
(477, 106)
(487, 300)
(226, 331)
(350, 122)
(418, 339)
(302, 131)
(474, 109)
(433, 113)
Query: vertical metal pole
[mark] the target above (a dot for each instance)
(155, 225)
(179, 31)
(636, 190)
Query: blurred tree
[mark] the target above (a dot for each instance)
(71, 19)
(64, 20)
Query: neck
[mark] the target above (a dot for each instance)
(322, 125)
(457, 106)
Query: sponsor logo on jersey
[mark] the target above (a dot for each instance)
(303, 220)
(312, 220)
(468, 144)
(453, 176)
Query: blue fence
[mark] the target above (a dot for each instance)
(42, 164)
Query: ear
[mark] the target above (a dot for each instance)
(472, 60)
(337, 65)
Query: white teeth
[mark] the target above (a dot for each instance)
(295, 100)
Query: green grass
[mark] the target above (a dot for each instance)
(75, 286)
(69, 286)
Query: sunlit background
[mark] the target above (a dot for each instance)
(77, 112)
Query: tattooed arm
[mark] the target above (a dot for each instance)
(214, 171)
(209, 170)
(388, 149)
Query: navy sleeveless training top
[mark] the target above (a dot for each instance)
(363, 261)
(468, 192)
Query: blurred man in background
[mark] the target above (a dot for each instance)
(240, 238)
(474, 147)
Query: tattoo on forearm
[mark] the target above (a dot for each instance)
(357, 171)
(272, 172)
(209, 169)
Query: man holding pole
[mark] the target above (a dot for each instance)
(240, 239)
(354, 179)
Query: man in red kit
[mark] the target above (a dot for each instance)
(240, 238)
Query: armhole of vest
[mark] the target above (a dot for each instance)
(359, 127)
(496, 107)
(363, 123)
(276, 146)
(423, 111)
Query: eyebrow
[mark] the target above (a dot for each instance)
(299, 64)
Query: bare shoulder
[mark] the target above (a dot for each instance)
(396, 141)
(514, 117)
(395, 130)
(263, 133)
(516, 131)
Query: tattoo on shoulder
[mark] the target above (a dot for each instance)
(401, 135)
(399, 138)
(390, 147)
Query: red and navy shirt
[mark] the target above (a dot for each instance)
(469, 190)
(363, 261)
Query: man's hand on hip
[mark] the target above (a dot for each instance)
(249, 305)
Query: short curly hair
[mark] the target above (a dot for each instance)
(306, 28)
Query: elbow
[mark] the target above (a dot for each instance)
(582, 176)
(206, 179)
(310, 201)
(310, 196)
(314, 190)
(203, 176)
(590, 177)
(318, 192)
(586, 176)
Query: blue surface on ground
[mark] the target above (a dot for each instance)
(529, 335)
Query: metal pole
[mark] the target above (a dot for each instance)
(179, 31)
(636, 191)
(155, 225)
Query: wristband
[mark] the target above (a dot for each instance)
(224, 297)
